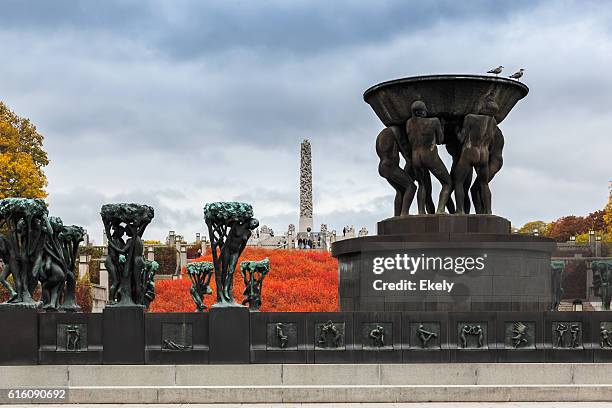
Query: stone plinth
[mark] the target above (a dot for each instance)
(124, 335)
(430, 224)
(230, 342)
(465, 263)
(18, 335)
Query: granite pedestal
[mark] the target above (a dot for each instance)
(18, 335)
(489, 268)
(230, 335)
(124, 335)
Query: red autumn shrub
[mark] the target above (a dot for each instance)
(298, 281)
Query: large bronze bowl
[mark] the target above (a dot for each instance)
(447, 96)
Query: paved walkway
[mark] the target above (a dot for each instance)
(366, 405)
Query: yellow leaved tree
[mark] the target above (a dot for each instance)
(608, 215)
(22, 157)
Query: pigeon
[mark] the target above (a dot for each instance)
(496, 71)
(517, 75)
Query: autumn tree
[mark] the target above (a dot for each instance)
(22, 157)
(595, 221)
(608, 215)
(564, 227)
(529, 227)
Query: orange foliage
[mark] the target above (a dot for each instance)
(298, 281)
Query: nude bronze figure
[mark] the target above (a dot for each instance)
(424, 134)
(476, 137)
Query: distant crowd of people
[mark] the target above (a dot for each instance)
(308, 243)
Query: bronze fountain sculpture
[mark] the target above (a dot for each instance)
(463, 113)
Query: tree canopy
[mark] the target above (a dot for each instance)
(563, 228)
(529, 227)
(225, 213)
(608, 215)
(22, 157)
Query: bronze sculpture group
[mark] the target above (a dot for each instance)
(602, 281)
(229, 226)
(474, 146)
(253, 274)
(131, 276)
(38, 248)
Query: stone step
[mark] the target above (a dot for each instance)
(275, 383)
(334, 394)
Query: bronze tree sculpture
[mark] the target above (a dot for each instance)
(51, 268)
(148, 283)
(70, 238)
(602, 281)
(128, 261)
(200, 274)
(253, 274)
(25, 220)
(229, 227)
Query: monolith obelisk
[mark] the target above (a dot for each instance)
(305, 187)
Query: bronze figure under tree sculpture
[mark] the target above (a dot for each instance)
(424, 134)
(253, 274)
(229, 227)
(41, 249)
(148, 283)
(25, 220)
(51, 267)
(200, 273)
(602, 281)
(70, 238)
(132, 219)
(112, 259)
(5, 254)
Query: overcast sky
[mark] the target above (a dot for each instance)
(178, 103)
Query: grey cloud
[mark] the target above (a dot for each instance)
(209, 101)
(188, 29)
(82, 207)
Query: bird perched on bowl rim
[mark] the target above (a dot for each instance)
(517, 75)
(496, 71)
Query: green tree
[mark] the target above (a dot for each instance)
(22, 157)
(529, 227)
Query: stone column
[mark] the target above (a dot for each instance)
(84, 264)
(103, 276)
(183, 256)
(150, 253)
(305, 187)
